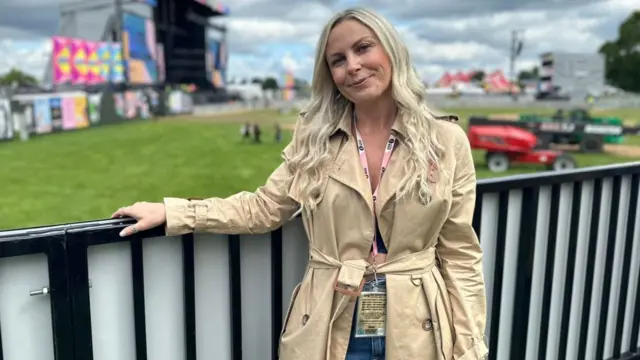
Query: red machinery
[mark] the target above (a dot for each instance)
(511, 144)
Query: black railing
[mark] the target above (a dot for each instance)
(562, 269)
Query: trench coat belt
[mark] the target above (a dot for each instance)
(351, 273)
(417, 267)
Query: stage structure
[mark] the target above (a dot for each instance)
(139, 43)
(194, 47)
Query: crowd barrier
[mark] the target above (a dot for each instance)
(46, 113)
(561, 264)
(529, 101)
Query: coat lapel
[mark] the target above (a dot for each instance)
(395, 170)
(392, 176)
(347, 168)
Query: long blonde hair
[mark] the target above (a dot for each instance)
(324, 111)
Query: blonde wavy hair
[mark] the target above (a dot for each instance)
(325, 110)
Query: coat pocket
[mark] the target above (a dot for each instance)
(287, 315)
(305, 334)
(477, 349)
(440, 316)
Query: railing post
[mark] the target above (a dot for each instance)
(591, 255)
(188, 263)
(576, 204)
(236, 297)
(503, 211)
(276, 290)
(526, 251)
(626, 268)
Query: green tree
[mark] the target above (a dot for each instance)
(303, 88)
(15, 76)
(270, 83)
(623, 55)
(528, 74)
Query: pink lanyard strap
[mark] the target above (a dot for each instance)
(385, 161)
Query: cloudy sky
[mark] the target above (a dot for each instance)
(267, 36)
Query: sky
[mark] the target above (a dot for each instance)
(267, 37)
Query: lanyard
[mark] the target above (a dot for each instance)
(385, 161)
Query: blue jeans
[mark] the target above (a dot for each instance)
(366, 348)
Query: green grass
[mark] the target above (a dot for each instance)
(88, 174)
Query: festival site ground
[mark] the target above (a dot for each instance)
(87, 174)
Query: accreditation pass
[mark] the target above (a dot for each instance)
(371, 314)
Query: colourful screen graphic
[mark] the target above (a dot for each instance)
(81, 62)
(223, 56)
(93, 63)
(61, 60)
(140, 49)
(162, 71)
(216, 60)
(111, 64)
(42, 114)
(78, 62)
(211, 60)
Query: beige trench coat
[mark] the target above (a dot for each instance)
(436, 294)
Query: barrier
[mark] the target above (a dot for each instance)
(562, 269)
(46, 113)
(444, 101)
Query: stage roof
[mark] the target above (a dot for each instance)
(210, 8)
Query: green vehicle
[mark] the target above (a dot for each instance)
(578, 115)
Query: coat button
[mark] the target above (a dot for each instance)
(305, 318)
(427, 325)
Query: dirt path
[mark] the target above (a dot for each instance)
(613, 149)
(239, 116)
(623, 150)
(505, 116)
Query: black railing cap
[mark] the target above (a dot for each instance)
(53, 230)
(546, 178)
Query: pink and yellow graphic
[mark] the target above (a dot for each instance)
(78, 61)
(80, 111)
(94, 71)
(61, 60)
(79, 68)
(68, 113)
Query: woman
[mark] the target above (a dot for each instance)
(395, 266)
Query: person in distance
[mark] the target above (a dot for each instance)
(386, 190)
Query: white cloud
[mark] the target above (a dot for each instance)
(268, 36)
(31, 57)
(290, 64)
(440, 43)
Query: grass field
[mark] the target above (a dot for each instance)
(86, 175)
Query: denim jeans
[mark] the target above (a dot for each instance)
(366, 348)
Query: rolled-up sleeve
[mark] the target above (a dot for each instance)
(460, 257)
(246, 212)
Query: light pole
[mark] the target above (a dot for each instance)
(516, 48)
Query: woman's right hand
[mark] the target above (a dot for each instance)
(148, 215)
